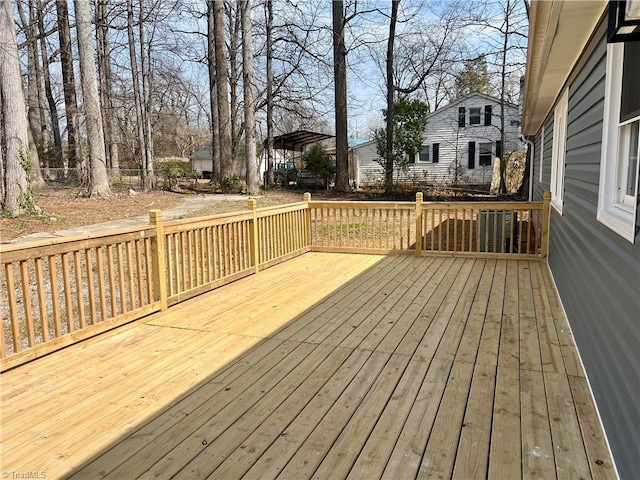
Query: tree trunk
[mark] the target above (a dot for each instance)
(503, 72)
(149, 177)
(340, 79)
(388, 179)
(93, 118)
(213, 93)
(234, 27)
(135, 78)
(17, 195)
(249, 104)
(68, 83)
(34, 114)
(53, 109)
(106, 88)
(270, 160)
(226, 161)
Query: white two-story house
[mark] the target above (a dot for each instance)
(460, 144)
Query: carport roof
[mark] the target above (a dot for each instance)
(298, 139)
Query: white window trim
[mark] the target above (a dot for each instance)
(559, 151)
(541, 154)
(621, 219)
(430, 155)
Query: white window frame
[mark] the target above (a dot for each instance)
(559, 152)
(492, 153)
(615, 211)
(541, 154)
(428, 147)
(480, 122)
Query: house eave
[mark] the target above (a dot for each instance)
(558, 33)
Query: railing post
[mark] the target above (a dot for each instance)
(418, 224)
(254, 241)
(546, 218)
(158, 260)
(307, 198)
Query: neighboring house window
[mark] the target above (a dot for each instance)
(436, 152)
(618, 189)
(541, 153)
(472, 156)
(484, 159)
(462, 112)
(499, 149)
(559, 151)
(487, 114)
(424, 153)
(474, 116)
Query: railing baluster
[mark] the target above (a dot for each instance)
(13, 310)
(42, 300)
(66, 280)
(55, 300)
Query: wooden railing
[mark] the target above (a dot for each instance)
(480, 229)
(62, 291)
(59, 292)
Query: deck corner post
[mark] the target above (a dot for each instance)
(158, 260)
(419, 224)
(255, 238)
(307, 198)
(546, 218)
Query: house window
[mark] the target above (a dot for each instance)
(499, 149)
(484, 158)
(436, 152)
(541, 154)
(462, 112)
(618, 189)
(487, 114)
(474, 116)
(424, 154)
(559, 151)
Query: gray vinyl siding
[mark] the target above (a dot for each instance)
(597, 272)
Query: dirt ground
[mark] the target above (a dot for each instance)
(62, 207)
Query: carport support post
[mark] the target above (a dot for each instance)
(158, 260)
(255, 253)
(418, 224)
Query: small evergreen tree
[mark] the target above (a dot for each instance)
(318, 162)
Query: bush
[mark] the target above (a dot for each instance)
(318, 162)
(231, 184)
(172, 172)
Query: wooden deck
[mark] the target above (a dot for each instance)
(326, 366)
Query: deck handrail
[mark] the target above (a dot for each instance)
(62, 291)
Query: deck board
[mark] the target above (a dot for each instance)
(325, 366)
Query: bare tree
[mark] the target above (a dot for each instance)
(224, 132)
(389, 160)
(269, 92)
(14, 139)
(103, 44)
(93, 116)
(213, 92)
(340, 79)
(68, 83)
(249, 104)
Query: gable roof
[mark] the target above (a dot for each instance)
(558, 33)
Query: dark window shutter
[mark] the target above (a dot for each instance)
(462, 112)
(487, 114)
(472, 155)
(499, 149)
(436, 152)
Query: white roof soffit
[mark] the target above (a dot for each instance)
(558, 32)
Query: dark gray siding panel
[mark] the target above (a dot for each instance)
(597, 271)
